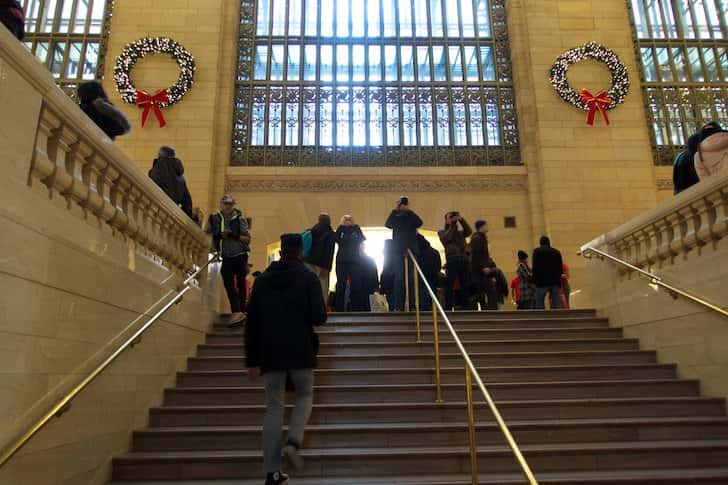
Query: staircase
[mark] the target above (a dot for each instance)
(586, 405)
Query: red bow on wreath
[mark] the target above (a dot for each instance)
(599, 102)
(149, 102)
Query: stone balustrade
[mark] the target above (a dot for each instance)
(74, 159)
(693, 219)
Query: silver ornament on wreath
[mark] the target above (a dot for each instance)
(135, 51)
(583, 99)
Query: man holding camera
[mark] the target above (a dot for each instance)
(404, 224)
(231, 240)
(453, 240)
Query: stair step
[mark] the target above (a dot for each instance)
(425, 392)
(345, 462)
(384, 435)
(450, 411)
(451, 375)
(492, 324)
(331, 336)
(412, 347)
(593, 357)
(662, 476)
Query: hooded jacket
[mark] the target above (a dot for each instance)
(322, 247)
(285, 305)
(167, 173)
(712, 157)
(238, 227)
(547, 267)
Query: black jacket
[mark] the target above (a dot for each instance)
(547, 266)
(111, 121)
(386, 281)
(684, 174)
(479, 253)
(369, 275)
(167, 174)
(11, 15)
(349, 239)
(238, 227)
(430, 261)
(322, 247)
(285, 305)
(404, 225)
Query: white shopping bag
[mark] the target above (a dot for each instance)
(378, 303)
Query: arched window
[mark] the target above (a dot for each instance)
(682, 46)
(69, 37)
(374, 83)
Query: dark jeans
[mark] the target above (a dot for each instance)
(541, 293)
(234, 270)
(348, 270)
(525, 305)
(457, 268)
(398, 267)
(486, 292)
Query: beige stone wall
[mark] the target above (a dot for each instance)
(71, 282)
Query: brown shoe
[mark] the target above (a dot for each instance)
(237, 319)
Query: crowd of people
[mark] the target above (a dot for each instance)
(705, 155)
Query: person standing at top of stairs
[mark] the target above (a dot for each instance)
(285, 305)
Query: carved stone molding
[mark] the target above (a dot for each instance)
(664, 184)
(511, 183)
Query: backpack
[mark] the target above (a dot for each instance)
(307, 238)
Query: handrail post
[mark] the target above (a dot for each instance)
(436, 343)
(416, 281)
(471, 426)
(406, 283)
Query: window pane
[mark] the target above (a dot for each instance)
(91, 60)
(342, 63)
(327, 18)
(81, 14)
(311, 17)
(695, 64)
(74, 59)
(41, 51)
(390, 22)
(409, 124)
(678, 59)
(439, 61)
(58, 52)
(359, 121)
(279, 17)
(64, 23)
(476, 123)
(309, 63)
(710, 64)
(459, 125)
(97, 16)
(488, 63)
(663, 63)
(423, 63)
(648, 63)
(408, 68)
(392, 124)
(468, 18)
(686, 18)
(48, 16)
(405, 18)
(492, 124)
(294, 63)
(436, 18)
(373, 18)
(375, 63)
(327, 63)
(471, 63)
(443, 124)
(453, 27)
(483, 14)
(276, 63)
(357, 18)
(342, 18)
(456, 64)
(426, 123)
(261, 62)
(294, 17)
(309, 124)
(376, 120)
(421, 18)
(258, 124)
(655, 21)
(342, 119)
(292, 124)
(391, 64)
(263, 20)
(358, 64)
(274, 123)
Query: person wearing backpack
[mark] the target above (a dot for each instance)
(349, 237)
(320, 255)
(231, 240)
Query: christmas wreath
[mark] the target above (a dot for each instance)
(583, 99)
(165, 97)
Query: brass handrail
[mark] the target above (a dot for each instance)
(587, 251)
(60, 408)
(470, 373)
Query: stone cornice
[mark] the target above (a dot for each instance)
(241, 183)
